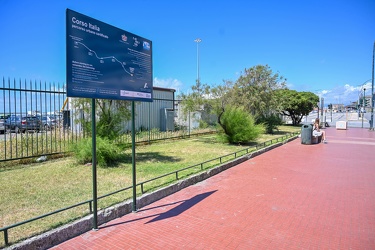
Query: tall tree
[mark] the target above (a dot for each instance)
(296, 104)
(255, 90)
(196, 99)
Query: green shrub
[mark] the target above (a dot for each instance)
(239, 126)
(271, 122)
(107, 153)
(203, 124)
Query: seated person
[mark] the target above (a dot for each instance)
(318, 132)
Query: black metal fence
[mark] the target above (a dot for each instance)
(23, 98)
(158, 120)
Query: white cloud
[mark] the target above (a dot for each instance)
(345, 94)
(168, 83)
(349, 89)
(289, 85)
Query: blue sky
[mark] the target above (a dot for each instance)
(325, 47)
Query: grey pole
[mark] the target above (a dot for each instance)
(372, 91)
(364, 103)
(134, 173)
(198, 40)
(94, 174)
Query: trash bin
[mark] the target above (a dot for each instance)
(306, 134)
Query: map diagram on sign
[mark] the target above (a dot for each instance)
(112, 58)
(106, 62)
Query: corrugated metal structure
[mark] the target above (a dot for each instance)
(148, 114)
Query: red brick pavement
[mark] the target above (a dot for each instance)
(293, 197)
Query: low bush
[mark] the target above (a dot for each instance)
(271, 122)
(239, 126)
(107, 152)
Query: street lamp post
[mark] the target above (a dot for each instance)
(364, 99)
(364, 104)
(198, 40)
(372, 90)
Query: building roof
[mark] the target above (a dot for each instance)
(163, 89)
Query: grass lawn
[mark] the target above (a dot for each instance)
(32, 190)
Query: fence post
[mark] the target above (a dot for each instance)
(133, 161)
(94, 186)
(6, 237)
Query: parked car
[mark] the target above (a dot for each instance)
(2, 121)
(20, 124)
(57, 119)
(48, 122)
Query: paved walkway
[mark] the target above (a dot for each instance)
(293, 197)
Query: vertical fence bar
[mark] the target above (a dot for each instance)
(52, 100)
(36, 104)
(10, 112)
(48, 131)
(38, 107)
(48, 114)
(43, 114)
(55, 116)
(5, 136)
(60, 117)
(52, 113)
(20, 113)
(43, 111)
(63, 128)
(6, 241)
(31, 113)
(90, 206)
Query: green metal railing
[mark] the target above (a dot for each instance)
(218, 160)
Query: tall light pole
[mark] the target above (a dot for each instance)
(364, 104)
(372, 91)
(198, 40)
(364, 99)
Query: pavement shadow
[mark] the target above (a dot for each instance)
(182, 207)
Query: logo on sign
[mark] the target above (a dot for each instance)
(146, 45)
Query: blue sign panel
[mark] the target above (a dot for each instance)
(105, 62)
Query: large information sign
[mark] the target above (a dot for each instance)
(105, 62)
